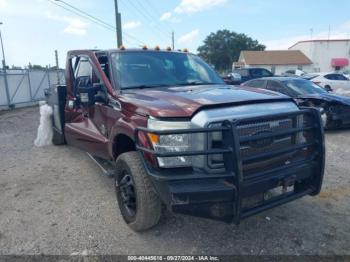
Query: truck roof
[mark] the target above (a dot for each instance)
(85, 51)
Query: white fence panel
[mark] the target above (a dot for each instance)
(18, 85)
(39, 80)
(27, 86)
(54, 77)
(3, 98)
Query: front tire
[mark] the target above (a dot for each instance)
(139, 204)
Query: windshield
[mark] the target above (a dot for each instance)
(304, 87)
(309, 76)
(142, 69)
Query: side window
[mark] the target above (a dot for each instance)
(264, 72)
(277, 87)
(341, 77)
(256, 84)
(84, 68)
(256, 73)
(73, 62)
(252, 83)
(84, 74)
(103, 60)
(244, 72)
(330, 77)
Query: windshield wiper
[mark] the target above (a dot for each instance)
(143, 86)
(196, 83)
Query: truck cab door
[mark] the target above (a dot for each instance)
(81, 130)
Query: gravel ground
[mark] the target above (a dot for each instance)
(55, 200)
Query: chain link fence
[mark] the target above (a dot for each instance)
(20, 88)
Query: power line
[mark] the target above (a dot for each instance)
(136, 8)
(151, 19)
(160, 15)
(78, 14)
(92, 18)
(85, 13)
(154, 8)
(150, 14)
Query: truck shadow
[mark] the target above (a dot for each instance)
(341, 129)
(289, 229)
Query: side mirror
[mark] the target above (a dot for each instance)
(328, 89)
(88, 94)
(101, 95)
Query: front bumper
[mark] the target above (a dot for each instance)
(228, 196)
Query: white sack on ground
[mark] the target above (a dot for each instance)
(45, 133)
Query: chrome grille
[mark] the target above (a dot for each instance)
(253, 129)
(273, 126)
(254, 148)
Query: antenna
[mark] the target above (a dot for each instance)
(311, 33)
(329, 34)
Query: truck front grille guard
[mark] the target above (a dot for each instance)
(233, 161)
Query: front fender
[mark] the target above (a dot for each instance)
(125, 125)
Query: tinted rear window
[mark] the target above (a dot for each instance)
(255, 83)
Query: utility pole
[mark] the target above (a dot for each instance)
(118, 22)
(173, 39)
(57, 68)
(4, 70)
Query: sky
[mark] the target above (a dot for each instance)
(33, 29)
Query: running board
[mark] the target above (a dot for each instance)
(105, 165)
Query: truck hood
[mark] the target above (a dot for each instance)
(344, 100)
(185, 101)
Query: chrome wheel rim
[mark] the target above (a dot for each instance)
(127, 193)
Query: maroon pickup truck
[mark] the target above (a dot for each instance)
(172, 134)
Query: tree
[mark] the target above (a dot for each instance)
(222, 48)
(13, 67)
(36, 67)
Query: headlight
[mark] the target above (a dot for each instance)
(170, 143)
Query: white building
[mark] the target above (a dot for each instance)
(277, 61)
(326, 55)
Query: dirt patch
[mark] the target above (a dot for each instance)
(336, 193)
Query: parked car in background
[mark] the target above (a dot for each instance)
(247, 74)
(346, 73)
(294, 72)
(336, 82)
(335, 109)
(233, 79)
